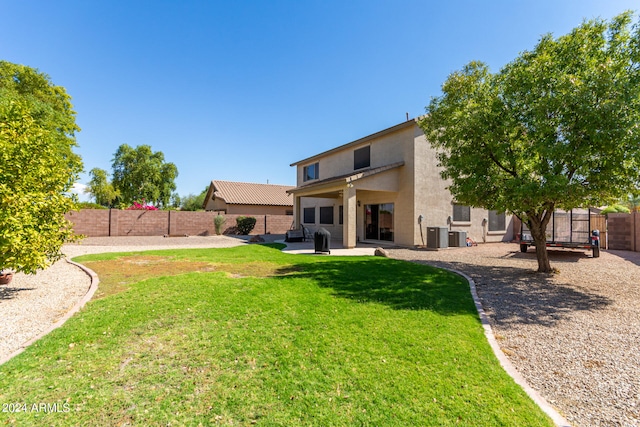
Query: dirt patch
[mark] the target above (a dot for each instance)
(118, 274)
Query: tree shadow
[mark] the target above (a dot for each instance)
(633, 257)
(521, 296)
(397, 284)
(11, 293)
(555, 255)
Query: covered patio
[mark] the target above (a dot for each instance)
(353, 195)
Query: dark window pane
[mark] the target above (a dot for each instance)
(311, 172)
(341, 215)
(497, 221)
(309, 215)
(362, 157)
(461, 213)
(326, 215)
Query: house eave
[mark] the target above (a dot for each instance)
(411, 122)
(344, 180)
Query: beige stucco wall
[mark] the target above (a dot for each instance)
(434, 201)
(219, 205)
(415, 189)
(388, 149)
(317, 202)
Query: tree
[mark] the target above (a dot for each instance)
(557, 128)
(141, 174)
(39, 168)
(100, 188)
(194, 203)
(633, 202)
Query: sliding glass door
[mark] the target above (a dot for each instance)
(379, 222)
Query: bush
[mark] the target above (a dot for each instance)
(615, 209)
(138, 206)
(90, 205)
(245, 224)
(218, 221)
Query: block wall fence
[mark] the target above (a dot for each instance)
(624, 231)
(619, 231)
(116, 222)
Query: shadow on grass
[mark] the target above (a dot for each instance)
(398, 284)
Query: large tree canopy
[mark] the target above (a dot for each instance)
(100, 188)
(557, 128)
(37, 128)
(141, 174)
(192, 202)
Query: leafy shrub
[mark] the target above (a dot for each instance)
(245, 224)
(137, 206)
(219, 221)
(90, 205)
(615, 209)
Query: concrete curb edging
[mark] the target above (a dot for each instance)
(558, 419)
(73, 310)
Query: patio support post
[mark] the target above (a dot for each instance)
(296, 211)
(349, 217)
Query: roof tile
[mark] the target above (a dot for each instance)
(246, 193)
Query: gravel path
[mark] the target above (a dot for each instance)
(574, 336)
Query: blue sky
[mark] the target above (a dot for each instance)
(238, 90)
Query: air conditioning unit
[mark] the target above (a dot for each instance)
(437, 237)
(457, 239)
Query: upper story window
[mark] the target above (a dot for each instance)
(362, 157)
(310, 172)
(461, 213)
(497, 221)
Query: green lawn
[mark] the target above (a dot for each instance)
(252, 336)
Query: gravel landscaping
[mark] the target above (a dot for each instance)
(31, 304)
(574, 336)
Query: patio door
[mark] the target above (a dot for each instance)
(379, 222)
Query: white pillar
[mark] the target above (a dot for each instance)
(349, 203)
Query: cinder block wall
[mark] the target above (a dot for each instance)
(636, 222)
(115, 222)
(624, 231)
(90, 222)
(139, 223)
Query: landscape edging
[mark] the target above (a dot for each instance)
(506, 364)
(92, 289)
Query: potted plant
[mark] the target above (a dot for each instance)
(5, 277)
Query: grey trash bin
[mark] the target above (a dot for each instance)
(321, 239)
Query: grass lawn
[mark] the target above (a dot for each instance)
(253, 336)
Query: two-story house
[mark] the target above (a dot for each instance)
(386, 187)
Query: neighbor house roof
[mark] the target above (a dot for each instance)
(246, 193)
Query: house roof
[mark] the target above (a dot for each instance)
(246, 193)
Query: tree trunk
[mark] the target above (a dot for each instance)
(538, 228)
